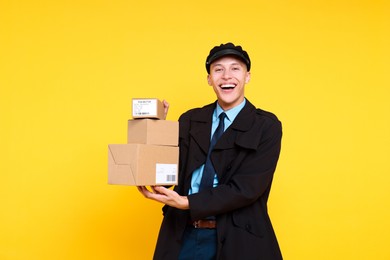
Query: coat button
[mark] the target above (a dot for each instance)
(248, 227)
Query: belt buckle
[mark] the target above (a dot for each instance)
(196, 224)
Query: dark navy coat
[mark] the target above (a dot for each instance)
(245, 159)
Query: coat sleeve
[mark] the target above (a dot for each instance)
(249, 179)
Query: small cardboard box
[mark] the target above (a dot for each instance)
(142, 164)
(147, 108)
(151, 131)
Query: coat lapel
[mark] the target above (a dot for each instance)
(239, 134)
(201, 127)
(240, 131)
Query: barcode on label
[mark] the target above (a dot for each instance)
(171, 178)
(166, 173)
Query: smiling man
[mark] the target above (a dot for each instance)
(228, 154)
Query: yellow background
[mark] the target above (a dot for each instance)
(68, 71)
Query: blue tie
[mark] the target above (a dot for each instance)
(208, 171)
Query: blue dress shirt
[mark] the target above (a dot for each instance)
(230, 116)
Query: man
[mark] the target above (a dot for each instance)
(224, 217)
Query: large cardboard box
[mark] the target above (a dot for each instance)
(142, 164)
(151, 131)
(147, 108)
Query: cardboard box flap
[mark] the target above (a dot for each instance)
(122, 154)
(121, 164)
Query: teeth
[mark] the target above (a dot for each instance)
(228, 86)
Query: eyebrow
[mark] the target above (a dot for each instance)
(233, 63)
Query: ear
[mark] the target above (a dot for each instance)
(208, 79)
(248, 77)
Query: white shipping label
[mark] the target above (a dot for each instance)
(166, 173)
(144, 107)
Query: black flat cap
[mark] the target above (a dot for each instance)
(227, 49)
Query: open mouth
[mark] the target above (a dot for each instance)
(228, 86)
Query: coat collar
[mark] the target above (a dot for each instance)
(239, 133)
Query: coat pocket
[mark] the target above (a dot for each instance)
(246, 220)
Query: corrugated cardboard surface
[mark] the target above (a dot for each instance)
(138, 164)
(151, 131)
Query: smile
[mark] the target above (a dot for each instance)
(228, 86)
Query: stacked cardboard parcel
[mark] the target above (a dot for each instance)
(151, 154)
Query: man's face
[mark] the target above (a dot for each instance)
(228, 76)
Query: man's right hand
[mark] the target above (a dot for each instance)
(166, 107)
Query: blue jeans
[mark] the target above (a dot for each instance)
(198, 244)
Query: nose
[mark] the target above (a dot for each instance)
(226, 74)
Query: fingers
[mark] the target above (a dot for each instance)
(151, 194)
(155, 189)
(143, 190)
(165, 196)
(166, 104)
(159, 189)
(166, 108)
